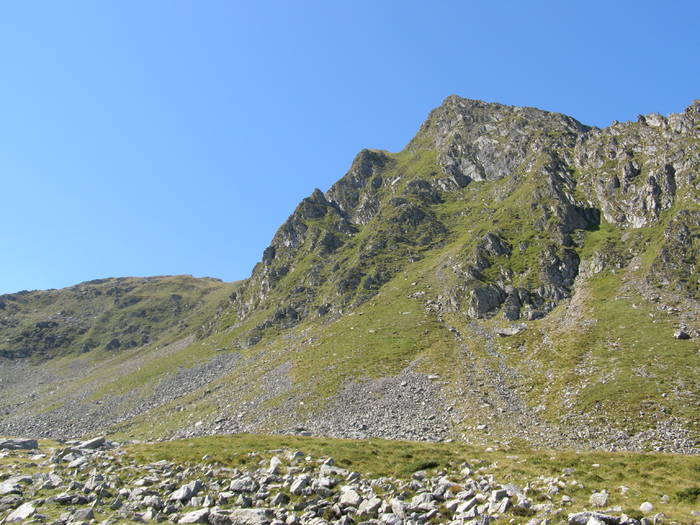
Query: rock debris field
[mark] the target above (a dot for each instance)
(97, 481)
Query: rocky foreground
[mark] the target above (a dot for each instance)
(97, 481)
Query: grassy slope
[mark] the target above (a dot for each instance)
(607, 356)
(105, 316)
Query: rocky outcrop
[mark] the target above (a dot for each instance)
(676, 265)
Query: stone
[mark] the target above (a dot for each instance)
(196, 516)
(349, 498)
(299, 484)
(581, 518)
(250, 516)
(82, 514)
(398, 507)
(466, 505)
(681, 334)
(279, 499)
(275, 464)
(219, 517)
(92, 444)
(598, 499)
(13, 485)
(78, 462)
(422, 502)
(185, 492)
(19, 444)
(369, 507)
(153, 501)
(646, 507)
(21, 513)
(593, 520)
(391, 519)
(245, 484)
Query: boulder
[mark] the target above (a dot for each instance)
(250, 516)
(581, 518)
(13, 485)
(299, 484)
(21, 513)
(185, 492)
(369, 507)
(646, 507)
(92, 444)
(275, 464)
(246, 484)
(350, 498)
(598, 499)
(196, 516)
(19, 444)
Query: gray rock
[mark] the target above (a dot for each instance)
(598, 499)
(398, 507)
(250, 516)
(369, 507)
(21, 513)
(279, 499)
(78, 462)
(219, 517)
(349, 498)
(299, 484)
(581, 518)
(82, 514)
(246, 484)
(275, 464)
(185, 492)
(92, 444)
(19, 444)
(196, 516)
(13, 485)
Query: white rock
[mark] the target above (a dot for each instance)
(185, 492)
(12, 485)
(275, 464)
(646, 507)
(398, 507)
(92, 443)
(196, 516)
(369, 507)
(598, 499)
(78, 462)
(350, 498)
(21, 513)
(250, 516)
(299, 484)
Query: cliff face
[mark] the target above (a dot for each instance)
(539, 180)
(513, 265)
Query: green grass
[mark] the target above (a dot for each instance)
(648, 476)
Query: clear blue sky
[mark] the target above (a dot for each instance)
(168, 137)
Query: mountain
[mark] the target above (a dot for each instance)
(511, 275)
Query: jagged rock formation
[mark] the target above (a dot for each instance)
(557, 177)
(538, 265)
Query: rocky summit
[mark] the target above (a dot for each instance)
(511, 277)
